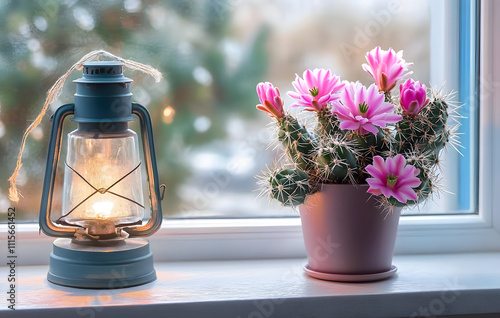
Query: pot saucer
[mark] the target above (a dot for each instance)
(351, 278)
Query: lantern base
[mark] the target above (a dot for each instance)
(103, 267)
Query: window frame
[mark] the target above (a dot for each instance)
(257, 238)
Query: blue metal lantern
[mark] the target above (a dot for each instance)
(101, 221)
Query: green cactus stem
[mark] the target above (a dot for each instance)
(426, 132)
(336, 163)
(328, 125)
(388, 97)
(435, 115)
(290, 186)
(299, 144)
(369, 146)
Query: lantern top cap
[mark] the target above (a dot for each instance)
(103, 72)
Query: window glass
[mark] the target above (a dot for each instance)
(211, 142)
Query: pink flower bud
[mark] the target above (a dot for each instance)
(413, 97)
(271, 101)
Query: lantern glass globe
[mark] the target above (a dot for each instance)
(102, 178)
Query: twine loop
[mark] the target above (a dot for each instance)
(52, 95)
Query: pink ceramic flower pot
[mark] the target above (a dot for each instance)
(347, 235)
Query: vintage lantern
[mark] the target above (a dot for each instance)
(103, 210)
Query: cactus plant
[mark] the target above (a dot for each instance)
(289, 186)
(356, 128)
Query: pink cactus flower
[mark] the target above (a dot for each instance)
(361, 109)
(316, 90)
(393, 177)
(413, 97)
(386, 67)
(271, 101)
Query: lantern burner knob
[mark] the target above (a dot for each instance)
(101, 227)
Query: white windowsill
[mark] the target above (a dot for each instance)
(233, 239)
(432, 285)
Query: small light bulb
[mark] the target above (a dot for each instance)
(103, 209)
(168, 114)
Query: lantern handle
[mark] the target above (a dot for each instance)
(47, 226)
(155, 220)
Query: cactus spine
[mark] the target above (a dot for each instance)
(299, 144)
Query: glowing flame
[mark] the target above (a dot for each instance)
(103, 209)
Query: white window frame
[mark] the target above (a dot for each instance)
(200, 239)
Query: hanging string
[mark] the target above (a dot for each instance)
(52, 95)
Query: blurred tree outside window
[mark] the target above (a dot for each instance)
(210, 140)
